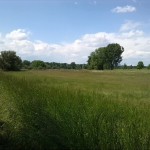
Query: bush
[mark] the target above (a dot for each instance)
(9, 61)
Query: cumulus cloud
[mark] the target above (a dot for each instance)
(130, 36)
(124, 9)
(19, 34)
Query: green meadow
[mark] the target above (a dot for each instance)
(66, 109)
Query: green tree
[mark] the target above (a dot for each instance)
(106, 57)
(9, 61)
(26, 64)
(140, 65)
(73, 65)
(38, 64)
(96, 59)
(113, 55)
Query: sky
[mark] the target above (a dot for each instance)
(69, 30)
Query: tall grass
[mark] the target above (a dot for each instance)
(75, 110)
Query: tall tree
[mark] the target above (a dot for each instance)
(113, 55)
(9, 61)
(106, 57)
(140, 65)
(96, 59)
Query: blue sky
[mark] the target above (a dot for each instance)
(69, 30)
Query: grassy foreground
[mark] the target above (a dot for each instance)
(75, 110)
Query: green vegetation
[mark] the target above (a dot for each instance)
(140, 65)
(38, 64)
(75, 109)
(106, 57)
(102, 58)
(26, 64)
(9, 61)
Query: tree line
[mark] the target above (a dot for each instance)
(9, 61)
(108, 57)
(38, 64)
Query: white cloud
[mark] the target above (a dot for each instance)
(130, 25)
(132, 34)
(133, 39)
(19, 34)
(124, 9)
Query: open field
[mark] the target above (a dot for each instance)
(66, 109)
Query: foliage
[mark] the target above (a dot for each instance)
(38, 64)
(73, 65)
(26, 64)
(9, 61)
(140, 65)
(96, 59)
(106, 57)
(55, 65)
(113, 55)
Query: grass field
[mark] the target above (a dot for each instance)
(60, 109)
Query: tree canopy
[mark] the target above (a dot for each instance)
(26, 64)
(38, 64)
(140, 65)
(9, 61)
(106, 57)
